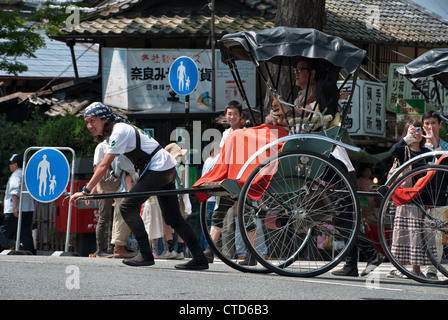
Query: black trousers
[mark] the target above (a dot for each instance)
(169, 205)
(343, 223)
(9, 229)
(366, 248)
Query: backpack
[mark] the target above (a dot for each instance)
(109, 182)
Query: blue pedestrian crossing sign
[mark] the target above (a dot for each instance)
(47, 174)
(184, 75)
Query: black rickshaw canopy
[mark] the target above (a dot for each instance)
(433, 63)
(274, 44)
(284, 47)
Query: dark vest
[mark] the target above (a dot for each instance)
(138, 157)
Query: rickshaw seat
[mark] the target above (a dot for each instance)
(321, 147)
(315, 122)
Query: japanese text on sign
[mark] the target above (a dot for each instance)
(138, 79)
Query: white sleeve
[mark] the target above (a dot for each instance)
(341, 154)
(121, 139)
(100, 151)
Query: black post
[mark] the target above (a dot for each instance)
(187, 111)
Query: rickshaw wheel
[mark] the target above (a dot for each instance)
(309, 211)
(423, 219)
(225, 249)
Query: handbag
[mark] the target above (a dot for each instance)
(397, 164)
(184, 200)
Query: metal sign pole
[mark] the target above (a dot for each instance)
(19, 222)
(69, 218)
(187, 162)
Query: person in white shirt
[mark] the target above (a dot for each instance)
(234, 117)
(157, 171)
(124, 172)
(11, 207)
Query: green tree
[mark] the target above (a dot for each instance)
(67, 131)
(22, 36)
(16, 138)
(19, 39)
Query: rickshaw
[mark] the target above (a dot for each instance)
(301, 197)
(424, 188)
(296, 207)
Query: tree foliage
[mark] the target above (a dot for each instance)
(67, 131)
(18, 39)
(21, 36)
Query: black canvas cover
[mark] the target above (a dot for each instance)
(433, 63)
(277, 43)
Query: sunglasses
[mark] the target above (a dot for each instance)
(299, 70)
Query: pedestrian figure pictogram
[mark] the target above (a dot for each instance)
(184, 76)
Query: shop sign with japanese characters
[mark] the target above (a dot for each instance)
(138, 79)
(400, 88)
(410, 110)
(367, 111)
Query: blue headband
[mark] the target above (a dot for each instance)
(100, 110)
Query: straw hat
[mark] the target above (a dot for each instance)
(175, 150)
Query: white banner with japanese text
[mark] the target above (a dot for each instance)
(137, 79)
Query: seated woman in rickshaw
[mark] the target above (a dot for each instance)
(311, 82)
(318, 88)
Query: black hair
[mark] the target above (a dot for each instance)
(234, 104)
(328, 92)
(107, 131)
(432, 114)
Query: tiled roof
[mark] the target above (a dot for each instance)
(174, 26)
(381, 21)
(385, 21)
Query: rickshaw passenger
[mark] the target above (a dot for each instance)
(307, 69)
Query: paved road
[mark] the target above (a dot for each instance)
(80, 278)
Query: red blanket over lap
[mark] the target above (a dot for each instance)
(237, 149)
(404, 196)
